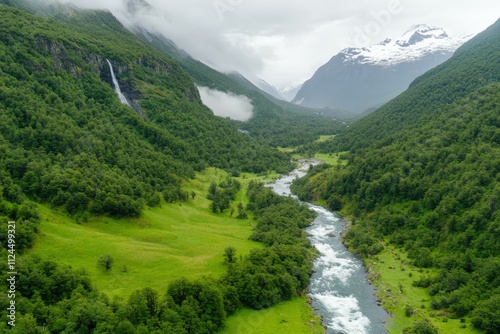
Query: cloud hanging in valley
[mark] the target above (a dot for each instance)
(223, 104)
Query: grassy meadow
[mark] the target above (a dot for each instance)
(294, 316)
(165, 243)
(393, 276)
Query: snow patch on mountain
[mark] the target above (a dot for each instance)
(415, 44)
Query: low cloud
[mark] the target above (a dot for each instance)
(285, 41)
(237, 107)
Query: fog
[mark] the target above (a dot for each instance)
(285, 41)
(223, 104)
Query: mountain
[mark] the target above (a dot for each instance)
(358, 79)
(423, 176)
(268, 88)
(135, 6)
(290, 93)
(277, 122)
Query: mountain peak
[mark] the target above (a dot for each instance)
(359, 79)
(418, 42)
(421, 32)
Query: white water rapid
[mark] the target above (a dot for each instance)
(339, 288)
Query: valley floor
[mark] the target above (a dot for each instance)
(165, 244)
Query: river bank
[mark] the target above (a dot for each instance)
(340, 291)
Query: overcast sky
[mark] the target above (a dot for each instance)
(285, 41)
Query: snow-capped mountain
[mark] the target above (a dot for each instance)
(358, 79)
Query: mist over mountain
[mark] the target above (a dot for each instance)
(268, 88)
(358, 79)
(290, 93)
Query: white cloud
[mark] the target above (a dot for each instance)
(236, 107)
(285, 41)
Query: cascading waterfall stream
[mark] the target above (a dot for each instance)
(339, 288)
(118, 91)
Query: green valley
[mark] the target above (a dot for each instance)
(150, 214)
(114, 231)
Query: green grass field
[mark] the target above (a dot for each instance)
(176, 240)
(322, 139)
(331, 159)
(393, 277)
(293, 317)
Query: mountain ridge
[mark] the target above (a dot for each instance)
(358, 79)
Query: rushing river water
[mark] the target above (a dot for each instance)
(339, 288)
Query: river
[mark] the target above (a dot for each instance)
(339, 289)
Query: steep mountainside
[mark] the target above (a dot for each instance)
(65, 134)
(430, 183)
(358, 79)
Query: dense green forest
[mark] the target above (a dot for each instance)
(431, 188)
(67, 140)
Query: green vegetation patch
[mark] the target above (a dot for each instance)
(166, 243)
(393, 274)
(294, 316)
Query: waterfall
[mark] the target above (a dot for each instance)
(118, 91)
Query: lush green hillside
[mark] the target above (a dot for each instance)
(67, 139)
(431, 188)
(68, 144)
(275, 122)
